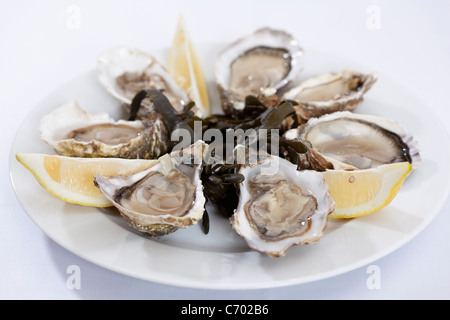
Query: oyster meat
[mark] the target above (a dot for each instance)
(280, 207)
(125, 71)
(259, 64)
(329, 93)
(357, 141)
(164, 198)
(73, 132)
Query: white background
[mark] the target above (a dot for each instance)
(42, 48)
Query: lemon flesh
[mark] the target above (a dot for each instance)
(72, 179)
(185, 68)
(361, 192)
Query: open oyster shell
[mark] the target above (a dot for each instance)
(259, 64)
(357, 141)
(164, 198)
(124, 71)
(280, 207)
(329, 93)
(73, 132)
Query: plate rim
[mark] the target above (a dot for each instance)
(231, 286)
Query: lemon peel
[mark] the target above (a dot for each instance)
(72, 179)
(362, 192)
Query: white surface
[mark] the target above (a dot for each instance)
(221, 259)
(41, 50)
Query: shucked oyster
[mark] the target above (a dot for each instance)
(330, 93)
(164, 198)
(125, 71)
(280, 206)
(356, 141)
(259, 64)
(73, 132)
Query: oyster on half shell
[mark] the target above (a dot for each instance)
(259, 64)
(125, 71)
(280, 207)
(329, 93)
(163, 198)
(357, 141)
(73, 132)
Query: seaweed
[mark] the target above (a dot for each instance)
(220, 180)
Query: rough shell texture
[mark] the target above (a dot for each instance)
(159, 224)
(329, 93)
(310, 182)
(262, 38)
(138, 70)
(382, 133)
(54, 128)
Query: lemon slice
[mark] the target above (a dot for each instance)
(185, 68)
(72, 179)
(361, 192)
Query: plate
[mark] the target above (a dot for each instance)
(221, 259)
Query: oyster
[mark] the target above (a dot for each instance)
(73, 132)
(259, 64)
(330, 93)
(356, 141)
(164, 198)
(281, 208)
(125, 71)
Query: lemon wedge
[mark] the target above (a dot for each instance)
(72, 179)
(361, 192)
(186, 69)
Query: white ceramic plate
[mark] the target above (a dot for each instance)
(221, 259)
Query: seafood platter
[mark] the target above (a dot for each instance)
(296, 146)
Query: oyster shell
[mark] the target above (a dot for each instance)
(329, 93)
(164, 198)
(357, 141)
(125, 71)
(259, 64)
(73, 132)
(281, 208)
